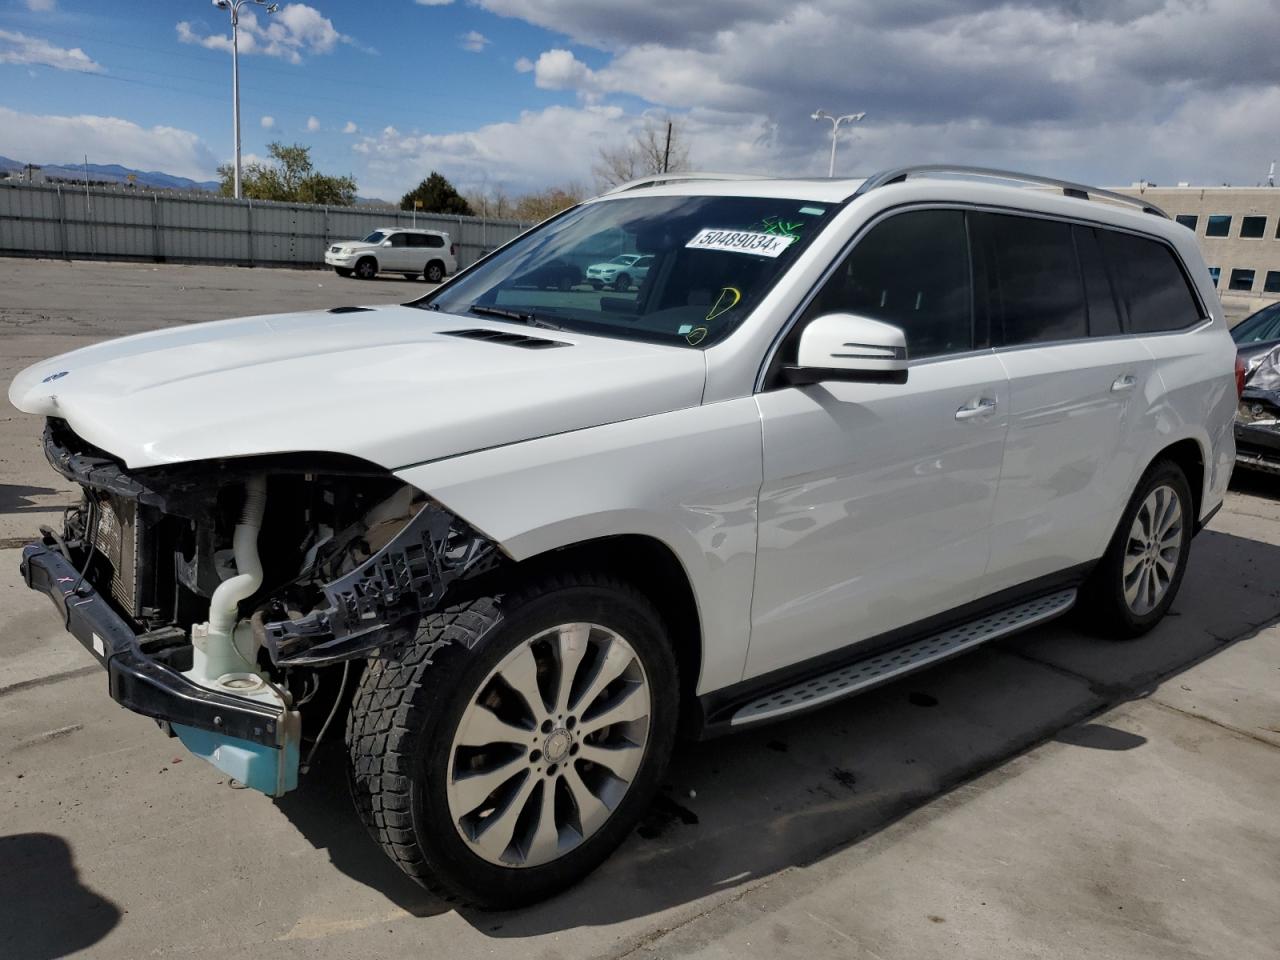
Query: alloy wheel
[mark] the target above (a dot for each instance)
(549, 745)
(1153, 550)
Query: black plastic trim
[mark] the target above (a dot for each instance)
(135, 680)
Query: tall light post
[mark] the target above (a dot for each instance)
(835, 131)
(234, 7)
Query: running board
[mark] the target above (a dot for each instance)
(883, 667)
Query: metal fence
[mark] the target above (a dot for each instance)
(105, 223)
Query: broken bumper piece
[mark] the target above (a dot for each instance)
(253, 740)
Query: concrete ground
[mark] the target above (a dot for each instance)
(1050, 796)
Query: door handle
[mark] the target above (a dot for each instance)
(1122, 383)
(981, 408)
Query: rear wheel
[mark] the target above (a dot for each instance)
(1138, 578)
(434, 272)
(518, 742)
(367, 268)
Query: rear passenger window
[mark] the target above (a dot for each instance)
(1104, 318)
(399, 240)
(1151, 284)
(911, 270)
(417, 240)
(1036, 291)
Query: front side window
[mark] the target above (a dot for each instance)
(1241, 279)
(1037, 295)
(1219, 226)
(1253, 228)
(912, 271)
(713, 259)
(400, 240)
(1188, 220)
(1155, 292)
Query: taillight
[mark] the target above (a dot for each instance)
(1240, 375)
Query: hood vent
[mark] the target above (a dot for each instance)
(509, 339)
(350, 310)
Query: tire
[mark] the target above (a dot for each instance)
(596, 284)
(342, 271)
(1135, 583)
(412, 717)
(623, 282)
(434, 272)
(367, 268)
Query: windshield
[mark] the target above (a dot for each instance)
(708, 261)
(1259, 328)
(376, 237)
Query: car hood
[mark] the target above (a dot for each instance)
(388, 384)
(353, 245)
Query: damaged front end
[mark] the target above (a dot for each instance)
(215, 593)
(1257, 426)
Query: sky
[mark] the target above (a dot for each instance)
(523, 94)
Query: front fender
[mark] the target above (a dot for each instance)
(689, 479)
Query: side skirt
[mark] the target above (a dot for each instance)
(878, 660)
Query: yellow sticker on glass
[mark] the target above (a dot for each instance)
(696, 336)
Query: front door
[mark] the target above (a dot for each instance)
(877, 498)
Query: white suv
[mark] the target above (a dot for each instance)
(846, 429)
(429, 254)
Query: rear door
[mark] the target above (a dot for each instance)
(1078, 389)
(876, 502)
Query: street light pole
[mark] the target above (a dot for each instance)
(835, 131)
(234, 7)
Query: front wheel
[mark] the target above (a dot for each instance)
(1135, 583)
(518, 742)
(367, 268)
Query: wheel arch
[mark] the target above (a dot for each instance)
(1190, 455)
(653, 568)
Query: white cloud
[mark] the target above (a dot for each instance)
(294, 30)
(475, 41)
(20, 48)
(351, 127)
(999, 81)
(40, 6)
(267, 122)
(313, 124)
(39, 138)
(433, 3)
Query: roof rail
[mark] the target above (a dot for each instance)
(1069, 189)
(658, 179)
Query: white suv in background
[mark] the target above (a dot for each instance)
(623, 272)
(429, 254)
(845, 430)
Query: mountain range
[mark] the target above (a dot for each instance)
(113, 173)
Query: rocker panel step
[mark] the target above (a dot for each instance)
(891, 664)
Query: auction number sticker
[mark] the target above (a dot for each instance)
(741, 241)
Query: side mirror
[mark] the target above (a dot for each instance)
(845, 346)
(386, 243)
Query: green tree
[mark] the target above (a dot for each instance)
(438, 195)
(288, 176)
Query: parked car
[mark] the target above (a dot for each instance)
(847, 430)
(552, 275)
(622, 272)
(1257, 334)
(429, 254)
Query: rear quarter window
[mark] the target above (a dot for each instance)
(1151, 284)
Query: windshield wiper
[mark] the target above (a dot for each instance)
(519, 316)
